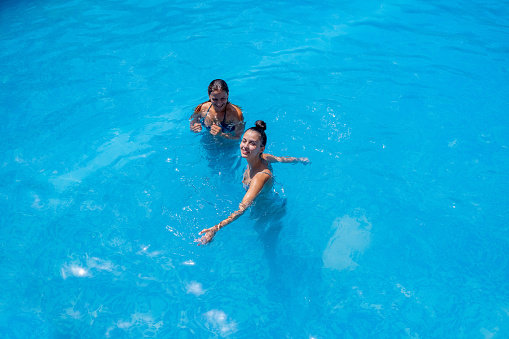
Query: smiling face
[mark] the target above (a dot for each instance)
(251, 144)
(218, 99)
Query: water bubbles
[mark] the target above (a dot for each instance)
(194, 288)
(218, 320)
(453, 144)
(144, 251)
(72, 313)
(75, 271)
(79, 271)
(139, 319)
(351, 238)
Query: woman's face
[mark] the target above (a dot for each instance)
(251, 144)
(218, 99)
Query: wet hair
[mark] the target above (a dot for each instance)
(218, 85)
(260, 126)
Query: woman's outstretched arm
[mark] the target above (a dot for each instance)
(254, 189)
(271, 158)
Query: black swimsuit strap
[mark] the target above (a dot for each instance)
(225, 107)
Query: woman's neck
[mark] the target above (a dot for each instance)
(255, 163)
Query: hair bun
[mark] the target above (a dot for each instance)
(261, 125)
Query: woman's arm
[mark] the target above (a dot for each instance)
(194, 120)
(271, 158)
(254, 189)
(240, 125)
(239, 130)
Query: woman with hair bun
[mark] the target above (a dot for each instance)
(257, 176)
(217, 115)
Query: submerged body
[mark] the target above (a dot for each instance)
(258, 175)
(218, 116)
(246, 180)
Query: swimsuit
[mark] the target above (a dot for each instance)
(246, 186)
(225, 128)
(269, 200)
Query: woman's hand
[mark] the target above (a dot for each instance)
(196, 127)
(215, 129)
(208, 234)
(305, 161)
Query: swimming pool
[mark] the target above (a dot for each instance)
(398, 227)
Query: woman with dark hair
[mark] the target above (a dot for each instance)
(217, 115)
(257, 176)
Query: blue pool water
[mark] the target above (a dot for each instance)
(397, 229)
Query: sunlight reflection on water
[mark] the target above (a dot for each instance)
(351, 238)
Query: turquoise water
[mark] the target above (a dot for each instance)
(398, 228)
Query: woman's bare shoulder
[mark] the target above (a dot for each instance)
(262, 176)
(202, 107)
(237, 110)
